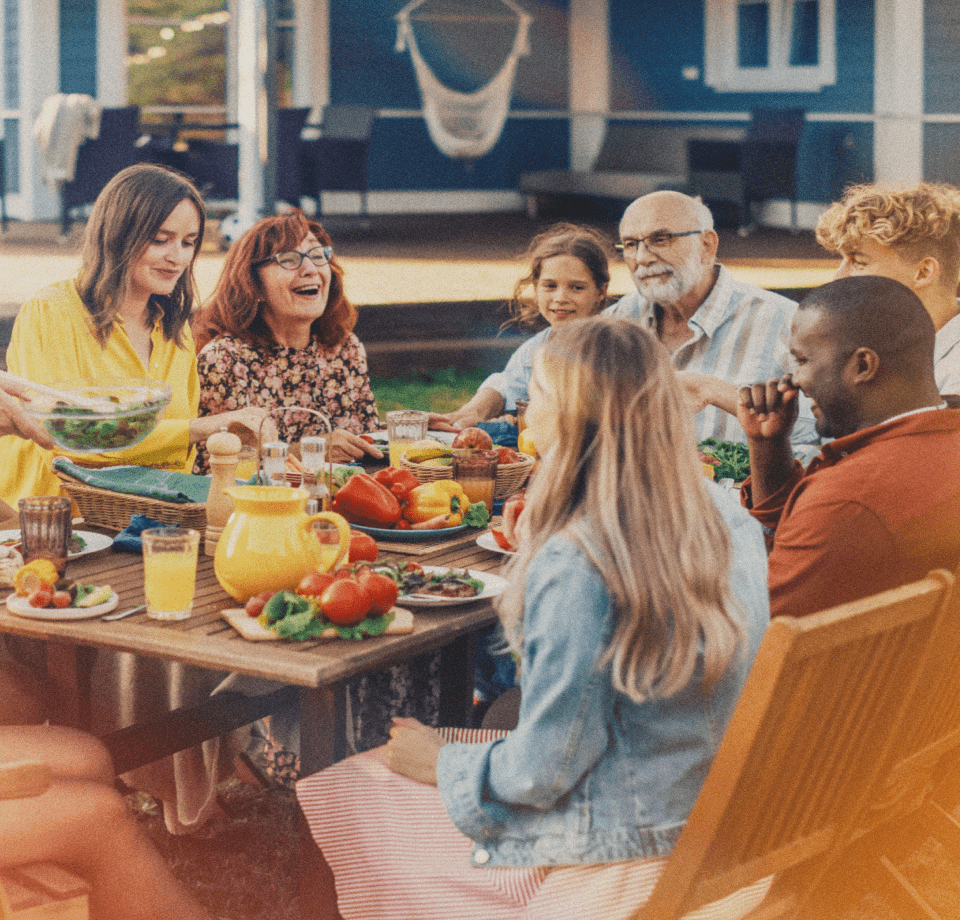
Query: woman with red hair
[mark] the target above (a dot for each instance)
(278, 332)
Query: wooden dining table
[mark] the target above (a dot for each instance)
(311, 673)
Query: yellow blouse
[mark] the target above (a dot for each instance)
(52, 342)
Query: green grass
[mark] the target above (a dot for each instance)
(437, 391)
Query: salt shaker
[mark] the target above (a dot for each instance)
(274, 463)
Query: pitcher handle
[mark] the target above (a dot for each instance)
(343, 530)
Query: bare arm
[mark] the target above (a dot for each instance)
(767, 412)
(245, 423)
(485, 404)
(702, 390)
(14, 420)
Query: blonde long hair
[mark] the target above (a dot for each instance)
(623, 483)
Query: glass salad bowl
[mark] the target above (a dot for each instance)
(98, 416)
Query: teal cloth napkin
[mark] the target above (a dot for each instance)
(164, 485)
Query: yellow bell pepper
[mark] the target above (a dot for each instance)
(435, 498)
(525, 444)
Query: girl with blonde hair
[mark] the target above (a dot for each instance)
(636, 603)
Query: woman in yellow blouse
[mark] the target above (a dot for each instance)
(124, 315)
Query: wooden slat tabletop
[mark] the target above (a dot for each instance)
(206, 640)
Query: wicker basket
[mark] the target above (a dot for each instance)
(114, 509)
(510, 478)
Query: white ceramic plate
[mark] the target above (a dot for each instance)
(95, 542)
(493, 585)
(20, 607)
(486, 540)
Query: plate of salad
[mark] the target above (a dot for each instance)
(82, 542)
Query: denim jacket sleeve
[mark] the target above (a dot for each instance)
(566, 700)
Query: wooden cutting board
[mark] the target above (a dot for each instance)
(251, 628)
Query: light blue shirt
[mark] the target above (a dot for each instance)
(741, 333)
(589, 775)
(946, 357)
(513, 381)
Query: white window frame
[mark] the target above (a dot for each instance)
(721, 64)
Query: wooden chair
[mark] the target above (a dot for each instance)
(818, 719)
(41, 891)
(918, 789)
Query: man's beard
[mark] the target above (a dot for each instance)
(682, 279)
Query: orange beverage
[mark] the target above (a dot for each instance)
(476, 471)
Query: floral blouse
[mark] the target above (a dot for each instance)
(333, 381)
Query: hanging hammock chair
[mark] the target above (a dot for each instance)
(464, 126)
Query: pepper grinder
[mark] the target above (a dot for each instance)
(224, 449)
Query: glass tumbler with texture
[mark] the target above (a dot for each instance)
(404, 426)
(170, 571)
(313, 455)
(522, 414)
(45, 526)
(476, 471)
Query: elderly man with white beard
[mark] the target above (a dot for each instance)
(721, 333)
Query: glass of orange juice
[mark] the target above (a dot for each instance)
(170, 571)
(476, 471)
(404, 426)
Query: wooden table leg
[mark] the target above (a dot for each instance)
(68, 671)
(456, 681)
(323, 720)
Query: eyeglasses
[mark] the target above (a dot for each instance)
(655, 242)
(293, 259)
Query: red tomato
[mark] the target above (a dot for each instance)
(344, 572)
(381, 589)
(62, 599)
(412, 567)
(41, 596)
(345, 603)
(362, 547)
(314, 584)
(255, 605)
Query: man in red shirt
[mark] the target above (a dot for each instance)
(880, 505)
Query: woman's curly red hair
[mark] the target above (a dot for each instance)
(234, 308)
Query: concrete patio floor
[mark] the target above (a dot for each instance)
(420, 258)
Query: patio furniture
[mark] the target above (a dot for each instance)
(634, 160)
(337, 160)
(39, 889)
(100, 159)
(768, 160)
(803, 754)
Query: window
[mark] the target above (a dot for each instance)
(770, 45)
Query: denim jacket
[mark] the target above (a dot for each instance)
(589, 776)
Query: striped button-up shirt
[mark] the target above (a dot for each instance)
(741, 334)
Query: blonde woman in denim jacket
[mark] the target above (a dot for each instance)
(637, 602)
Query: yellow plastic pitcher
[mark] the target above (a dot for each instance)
(269, 542)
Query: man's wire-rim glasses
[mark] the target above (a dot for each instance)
(293, 259)
(659, 241)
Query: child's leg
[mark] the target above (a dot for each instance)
(69, 752)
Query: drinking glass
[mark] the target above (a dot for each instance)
(247, 462)
(404, 426)
(170, 571)
(522, 414)
(476, 471)
(274, 463)
(313, 455)
(45, 526)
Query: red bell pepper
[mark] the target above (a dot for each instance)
(364, 501)
(400, 482)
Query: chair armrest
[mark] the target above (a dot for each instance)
(23, 779)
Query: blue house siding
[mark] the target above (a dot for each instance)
(648, 75)
(402, 156)
(78, 46)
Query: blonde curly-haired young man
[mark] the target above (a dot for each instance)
(912, 235)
